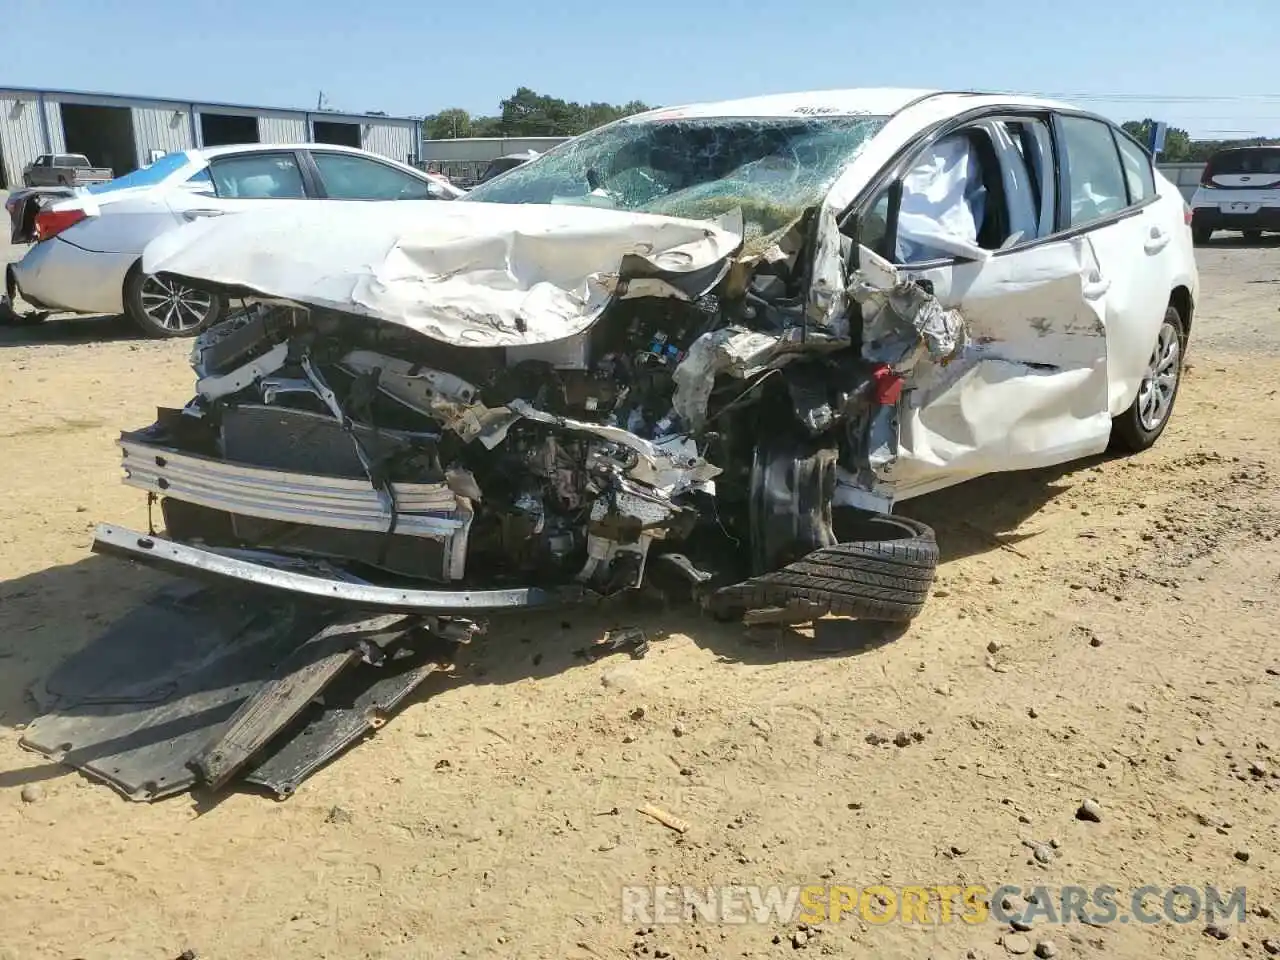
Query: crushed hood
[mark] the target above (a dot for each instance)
(473, 274)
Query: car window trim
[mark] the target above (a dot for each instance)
(1065, 177)
(1117, 133)
(307, 187)
(896, 167)
(323, 193)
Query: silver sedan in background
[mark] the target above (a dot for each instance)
(87, 251)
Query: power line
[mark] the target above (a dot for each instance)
(1168, 98)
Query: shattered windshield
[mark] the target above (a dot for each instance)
(771, 168)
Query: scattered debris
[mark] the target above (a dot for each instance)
(1242, 856)
(32, 793)
(1046, 949)
(1218, 931)
(1090, 811)
(631, 640)
(639, 712)
(1016, 943)
(666, 819)
(1272, 947)
(876, 738)
(337, 815)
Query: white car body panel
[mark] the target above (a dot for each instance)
(99, 277)
(1058, 332)
(69, 275)
(1031, 387)
(474, 274)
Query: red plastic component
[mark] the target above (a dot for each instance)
(888, 385)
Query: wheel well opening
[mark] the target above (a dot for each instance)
(1181, 298)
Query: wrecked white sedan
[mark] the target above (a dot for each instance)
(718, 341)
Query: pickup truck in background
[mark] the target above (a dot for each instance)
(65, 170)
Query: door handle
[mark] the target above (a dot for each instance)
(1092, 291)
(1157, 242)
(196, 214)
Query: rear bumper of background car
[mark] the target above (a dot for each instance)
(1214, 218)
(59, 275)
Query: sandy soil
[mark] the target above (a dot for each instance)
(1102, 631)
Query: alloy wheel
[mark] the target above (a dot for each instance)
(174, 306)
(1160, 382)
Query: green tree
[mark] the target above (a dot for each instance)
(448, 124)
(527, 113)
(1177, 142)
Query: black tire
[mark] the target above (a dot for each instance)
(137, 287)
(1128, 431)
(1201, 236)
(882, 572)
(1253, 236)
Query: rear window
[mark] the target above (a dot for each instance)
(150, 176)
(1231, 162)
(70, 160)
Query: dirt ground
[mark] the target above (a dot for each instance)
(1103, 631)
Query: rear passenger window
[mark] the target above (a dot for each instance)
(1095, 178)
(258, 176)
(1137, 170)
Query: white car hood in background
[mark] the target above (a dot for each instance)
(474, 274)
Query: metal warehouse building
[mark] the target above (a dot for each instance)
(122, 132)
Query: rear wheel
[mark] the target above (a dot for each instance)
(163, 306)
(1141, 425)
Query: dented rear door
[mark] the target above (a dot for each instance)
(1029, 388)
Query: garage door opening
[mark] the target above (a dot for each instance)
(337, 132)
(4, 178)
(103, 134)
(221, 129)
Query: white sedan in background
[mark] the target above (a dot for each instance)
(87, 251)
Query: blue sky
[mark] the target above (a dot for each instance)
(1213, 67)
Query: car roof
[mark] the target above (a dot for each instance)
(233, 148)
(857, 101)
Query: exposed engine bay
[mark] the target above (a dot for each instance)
(712, 433)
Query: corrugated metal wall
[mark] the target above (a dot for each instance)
(161, 128)
(21, 139)
(282, 128)
(53, 113)
(390, 140)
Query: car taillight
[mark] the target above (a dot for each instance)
(50, 223)
(1187, 215)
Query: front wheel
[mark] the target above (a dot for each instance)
(163, 306)
(1141, 425)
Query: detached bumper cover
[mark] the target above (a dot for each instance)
(208, 564)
